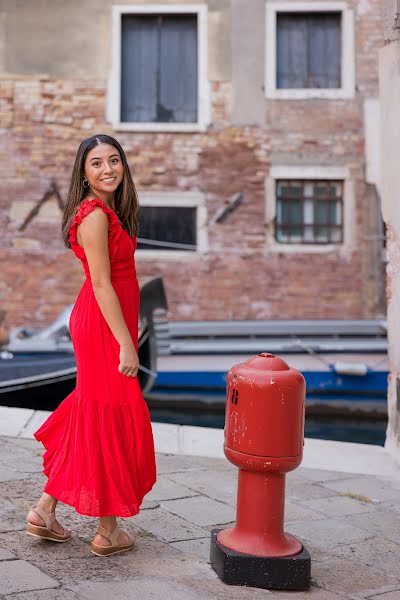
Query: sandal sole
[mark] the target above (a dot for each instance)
(108, 551)
(45, 534)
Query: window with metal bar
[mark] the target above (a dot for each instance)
(170, 228)
(308, 50)
(309, 212)
(159, 78)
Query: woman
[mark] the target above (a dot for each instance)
(99, 445)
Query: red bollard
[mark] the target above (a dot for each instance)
(264, 437)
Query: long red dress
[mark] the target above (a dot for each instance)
(99, 443)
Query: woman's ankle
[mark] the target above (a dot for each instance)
(109, 523)
(48, 503)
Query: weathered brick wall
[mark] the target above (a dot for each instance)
(43, 120)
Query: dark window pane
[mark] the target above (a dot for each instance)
(291, 52)
(167, 224)
(178, 70)
(159, 68)
(308, 50)
(139, 68)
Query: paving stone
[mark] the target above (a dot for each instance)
(28, 444)
(20, 576)
(300, 490)
(167, 526)
(25, 491)
(150, 588)
(379, 553)
(24, 464)
(169, 561)
(12, 519)
(200, 510)
(165, 489)
(34, 549)
(74, 570)
(6, 554)
(220, 485)
(371, 487)
(7, 474)
(20, 459)
(12, 420)
(394, 595)
(349, 576)
(390, 506)
(37, 419)
(380, 523)
(177, 463)
(328, 533)
(335, 506)
(199, 547)
(210, 584)
(318, 475)
(296, 512)
(314, 592)
(57, 594)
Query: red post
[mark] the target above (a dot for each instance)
(260, 517)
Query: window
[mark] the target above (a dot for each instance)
(171, 227)
(159, 80)
(309, 212)
(310, 209)
(309, 50)
(172, 224)
(159, 68)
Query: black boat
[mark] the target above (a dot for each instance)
(38, 368)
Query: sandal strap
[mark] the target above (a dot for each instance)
(48, 518)
(113, 535)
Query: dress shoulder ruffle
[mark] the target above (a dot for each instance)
(85, 208)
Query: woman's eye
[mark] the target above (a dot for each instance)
(96, 163)
(115, 160)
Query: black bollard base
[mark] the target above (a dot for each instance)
(271, 573)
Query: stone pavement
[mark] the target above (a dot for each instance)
(350, 524)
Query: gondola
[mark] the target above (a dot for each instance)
(38, 368)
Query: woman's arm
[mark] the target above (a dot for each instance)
(94, 237)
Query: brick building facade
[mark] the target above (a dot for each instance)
(254, 135)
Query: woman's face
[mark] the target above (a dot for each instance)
(104, 169)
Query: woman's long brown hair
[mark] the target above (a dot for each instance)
(126, 198)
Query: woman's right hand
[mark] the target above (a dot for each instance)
(128, 360)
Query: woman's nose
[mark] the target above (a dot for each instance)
(107, 169)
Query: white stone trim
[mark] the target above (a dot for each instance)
(113, 108)
(178, 198)
(347, 89)
(307, 173)
(372, 141)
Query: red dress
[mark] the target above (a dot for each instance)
(99, 443)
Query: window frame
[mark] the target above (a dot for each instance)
(347, 62)
(305, 173)
(114, 88)
(177, 199)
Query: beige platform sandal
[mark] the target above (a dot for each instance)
(46, 533)
(112, 536)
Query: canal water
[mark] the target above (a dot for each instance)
(342, 429)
